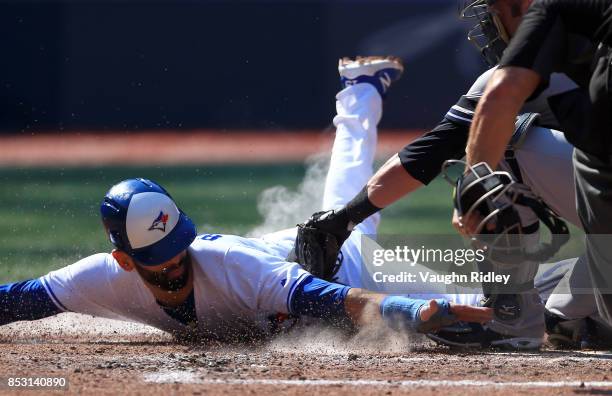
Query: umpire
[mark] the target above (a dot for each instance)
(543, 44)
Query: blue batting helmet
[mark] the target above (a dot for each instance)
(142, 220)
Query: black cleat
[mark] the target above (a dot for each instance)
(583, 333)
(566, 333)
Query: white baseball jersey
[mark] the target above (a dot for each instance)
(238, 283)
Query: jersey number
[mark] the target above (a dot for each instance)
(210, 237)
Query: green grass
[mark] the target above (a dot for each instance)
(51, 215)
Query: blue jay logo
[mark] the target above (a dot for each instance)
(160, 222)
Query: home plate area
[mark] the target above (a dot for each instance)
(108, 357)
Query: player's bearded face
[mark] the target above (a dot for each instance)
(170, 278)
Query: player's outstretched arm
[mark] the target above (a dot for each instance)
(338, 303)
(400, 312)
(26, 300)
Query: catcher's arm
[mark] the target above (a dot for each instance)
(493, 123)
(390, 183)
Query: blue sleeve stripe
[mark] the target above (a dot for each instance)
(25, 300)
(297, 282)
(320, 299)
(55, 300)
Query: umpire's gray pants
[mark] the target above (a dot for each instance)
(594, 201)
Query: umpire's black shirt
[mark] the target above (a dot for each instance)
(548, 40)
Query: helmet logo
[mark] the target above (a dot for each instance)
(160, 222)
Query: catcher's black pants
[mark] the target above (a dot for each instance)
(594, 200)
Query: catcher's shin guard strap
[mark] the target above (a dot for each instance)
(404, 313)
(521, 126)
(558, 229)
(512, 288)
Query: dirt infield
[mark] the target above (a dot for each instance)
(107, 357)
(190, 147)
(100, 356)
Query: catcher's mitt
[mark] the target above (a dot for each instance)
(318, 243)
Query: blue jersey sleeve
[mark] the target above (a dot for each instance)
(320, 299)
(26, 300)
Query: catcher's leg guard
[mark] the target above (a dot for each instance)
(518, 322)
(518, 309)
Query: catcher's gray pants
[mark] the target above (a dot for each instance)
(521, 297)
(594, 200)
(566, 286)
(572, 297)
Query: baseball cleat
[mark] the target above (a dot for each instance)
(476, 336)
(380, 71)
(565, 334)
(582, 333)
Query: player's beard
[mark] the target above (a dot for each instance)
(161, 279)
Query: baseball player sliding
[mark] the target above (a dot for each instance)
(162, 273)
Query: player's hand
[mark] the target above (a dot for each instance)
(434, 316)
(464, 313)
(426, 316)
(465, 226)
(468, 225)
(459, 312)
(331, 221)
